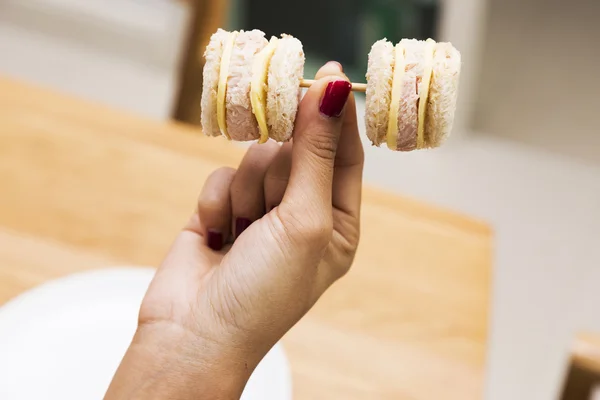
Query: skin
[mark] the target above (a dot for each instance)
(209, 317)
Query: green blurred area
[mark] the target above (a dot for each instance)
(341, 30)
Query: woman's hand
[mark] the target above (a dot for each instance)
(214, 309)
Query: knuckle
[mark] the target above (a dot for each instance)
(338, 266)
(345, 253)
(346, 238)
(283, 234)
(215, 184)
(206, 210)
(322, 143)
(209, 202)
(311, 230)
(223, 172)
(348, 248)
(317, 232)
(340, 271)
(347, 231)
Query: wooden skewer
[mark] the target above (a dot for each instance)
(357, 87)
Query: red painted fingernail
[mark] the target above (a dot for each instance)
(241, 224)
(214, 240)
(335, 98)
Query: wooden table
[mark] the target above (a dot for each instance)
(83, 186)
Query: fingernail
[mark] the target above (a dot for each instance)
(214, 240)
(336, 64)
(241, 224)
(335, 98)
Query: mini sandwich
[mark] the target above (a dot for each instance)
(412, 90)
(251, 86)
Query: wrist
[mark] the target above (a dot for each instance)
(165, 360)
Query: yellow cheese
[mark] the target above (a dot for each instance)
(424, 90)
(222, 87)
(258, 87)
(399, 71)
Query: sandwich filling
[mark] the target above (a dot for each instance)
(222, 86)
(259, 86)
(397, 79)
(411, 79)
(424, 90)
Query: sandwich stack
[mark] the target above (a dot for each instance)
(253, 86)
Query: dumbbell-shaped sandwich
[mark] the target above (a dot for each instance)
(411, 93)
(252, 89)
(251, 86)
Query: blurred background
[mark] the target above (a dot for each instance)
(524, 155)
(340, 30)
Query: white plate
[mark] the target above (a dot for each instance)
(65, 339)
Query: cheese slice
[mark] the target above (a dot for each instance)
(222, 86)
(424, 90)
(399, 71)
(258, 87)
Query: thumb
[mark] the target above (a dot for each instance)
(316, 136)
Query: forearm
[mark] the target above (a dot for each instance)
(156, 366)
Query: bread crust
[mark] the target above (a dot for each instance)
(443, 94)
(379, 90)
(286, 70)
(210, 82)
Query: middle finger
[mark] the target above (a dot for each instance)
(247, 191)
(277, 177)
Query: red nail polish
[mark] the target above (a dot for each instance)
(214, 240)
(241, 224)
(335, 98)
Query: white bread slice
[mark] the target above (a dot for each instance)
(210, 82)
(379, 90)
(286, 70)
(241, 122)
(443, 94)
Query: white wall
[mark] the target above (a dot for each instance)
(540, 83)
(463, 23)
(120, 52)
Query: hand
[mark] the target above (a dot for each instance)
(237, 279)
